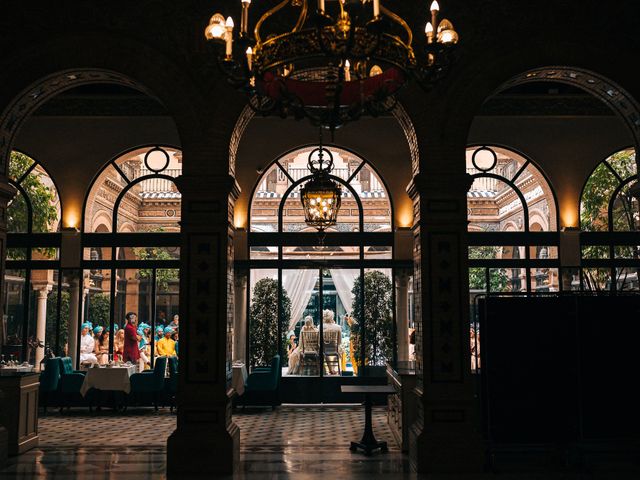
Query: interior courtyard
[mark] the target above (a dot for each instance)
(177, 301)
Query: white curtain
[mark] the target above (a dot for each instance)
(299, 286)
(344, 281)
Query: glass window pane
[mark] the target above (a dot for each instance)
(544, 280)
(340, 329)
(14, 319)
(18, 165)
(627, 279)
(378, 253)
(263, 317)
(166, 315)
(594, 204)
(96, 312)
(17, 215)
(301, 316)
(596, 279)
(378, 319)
(624, 163)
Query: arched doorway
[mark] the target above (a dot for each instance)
(341, 280)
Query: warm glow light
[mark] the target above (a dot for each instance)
(405, 217)
(71, 218)
(434, 6)
(229, 22)
(428, 29)
(569, 217)
(239, 219)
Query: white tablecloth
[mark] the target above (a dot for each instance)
(14, 370)
(108, 378)
(239, 377)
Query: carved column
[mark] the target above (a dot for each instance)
(206, 441)
(7, 192)
(402, 314)
(240, 320)
(41, 320)
(446, 436)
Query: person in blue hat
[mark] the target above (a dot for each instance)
(144, 331)
(87, 345)
(166, 346)
(157, 337)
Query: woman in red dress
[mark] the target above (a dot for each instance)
(131, 339)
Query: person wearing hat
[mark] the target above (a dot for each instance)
(87, 345)
(158, 336)
(166, 346)
(143, 345)
(102, 345)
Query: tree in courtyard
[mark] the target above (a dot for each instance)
(164, 276)
(594, 215)
(378, 318)
(43, 203)
(99, 310)
(263, 322)
(498, 278)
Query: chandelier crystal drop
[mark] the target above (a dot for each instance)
(334, 61)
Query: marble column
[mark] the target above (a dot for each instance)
(240, 320)
(206, 441)
(402, 314)
(446, 436)
(42, 293)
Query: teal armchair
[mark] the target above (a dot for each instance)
(70, 382)
(49, 381)
(262, 386)
(151, 382)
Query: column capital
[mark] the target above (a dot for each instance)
(196, 186)
(439, 184)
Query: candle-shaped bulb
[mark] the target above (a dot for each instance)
(246, 1)
(347, 71)
(428, 29)
(435, 7)
(229, 38)
(249, 57)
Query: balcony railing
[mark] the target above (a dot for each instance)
(155, 184)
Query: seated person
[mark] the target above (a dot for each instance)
(118, 344)
(158, 336)
(166, 346)
(175, 323)
(102, 346)
(329, 325)
(87, 345)
(293, 353)
(308, 327)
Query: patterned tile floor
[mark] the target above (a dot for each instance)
(261, 430)
(307, 443)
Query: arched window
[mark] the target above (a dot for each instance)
(608, 212)
(32, 300)
(510, 207)
(131, 247)
(340, 281)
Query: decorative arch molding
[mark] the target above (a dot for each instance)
(35, 95)
(398, 112)
(619, 100)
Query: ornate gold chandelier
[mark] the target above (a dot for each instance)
(321, 195)
(345, 59)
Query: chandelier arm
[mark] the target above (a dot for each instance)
(303, 16)
(275, 9)
(401, 22)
